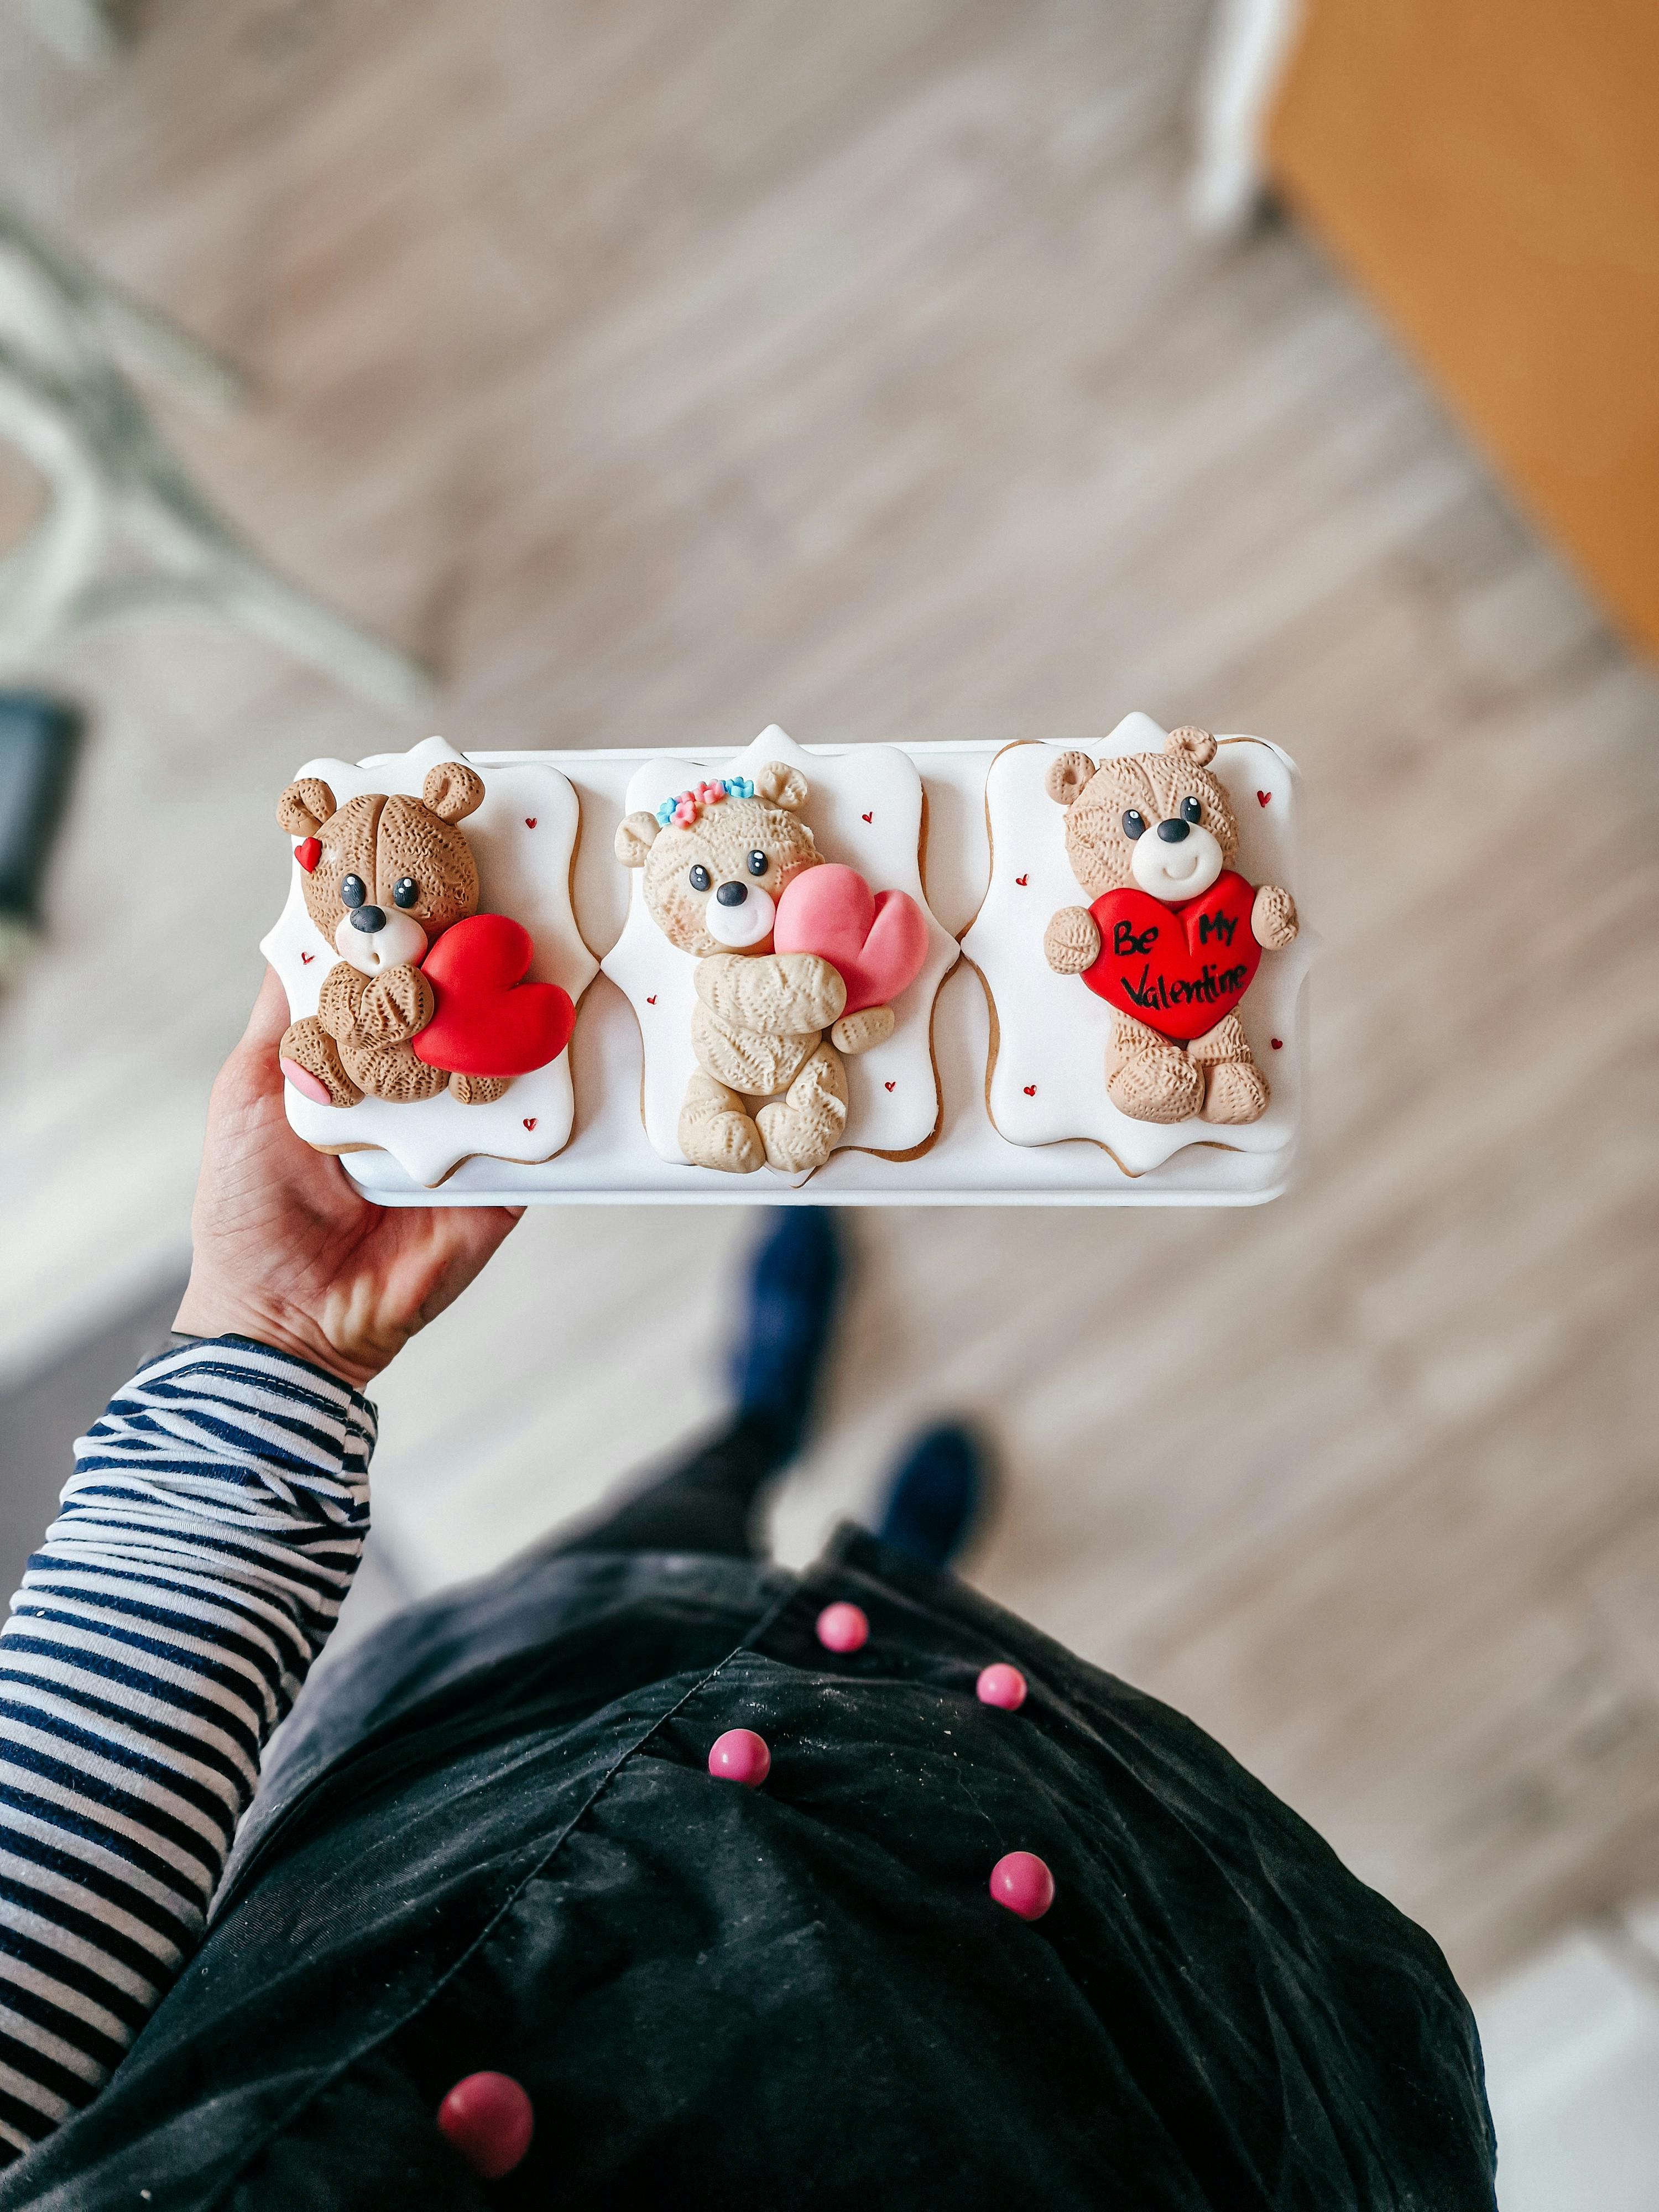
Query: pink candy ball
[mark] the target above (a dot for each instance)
(843, 1628)
(488, 2119)
(1022, 1883)
(1002, 1685)
(740, 1755)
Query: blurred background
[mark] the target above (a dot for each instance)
(931, 368)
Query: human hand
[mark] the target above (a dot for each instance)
(287, 1252)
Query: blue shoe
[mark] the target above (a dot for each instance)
(936, 1495)
(794, 1280)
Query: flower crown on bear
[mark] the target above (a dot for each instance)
(680, 813)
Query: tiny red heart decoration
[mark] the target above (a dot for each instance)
(1262, 797)
(306, 959)
(530, 821)
(876, 942)
(1030, 1090)
(530, 1120)
(1179, 969)
(1277, 1043)
(1022, 881)
(892, 1086)
(309, 851)
(869, 818)
(488, 1020)
(652, 1001)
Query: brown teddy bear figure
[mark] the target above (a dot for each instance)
(1174, 936)
(384, 875)
(716, 860)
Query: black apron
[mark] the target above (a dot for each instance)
(489, 1841)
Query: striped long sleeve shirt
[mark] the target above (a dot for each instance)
(204, 1544)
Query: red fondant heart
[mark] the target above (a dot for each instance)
(530, 1120)
(530, 821)
(490, 1021)
(652, 1001)
(1277, 1043)
(1181, 968)
(876, 942)
(1262, 797)
(309, 851)
(869, 818)
(892, 1086)
(1030, 1090)
(1022, 881)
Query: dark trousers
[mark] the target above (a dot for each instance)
(705, 1504)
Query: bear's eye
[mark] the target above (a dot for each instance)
(1135, 823)
(1191, 811)
(351, 889)
(758, 864)
(700, 877)
(405, 890)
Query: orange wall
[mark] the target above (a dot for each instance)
(1489, 169)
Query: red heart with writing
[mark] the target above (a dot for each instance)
(488, 1020)
(1181, 968)
(876, 942)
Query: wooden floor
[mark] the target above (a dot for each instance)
(663, 369)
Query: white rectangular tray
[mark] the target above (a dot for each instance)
(608, 1161)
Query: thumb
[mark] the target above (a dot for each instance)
(270, 1016)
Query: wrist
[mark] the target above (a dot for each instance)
(205, 1311)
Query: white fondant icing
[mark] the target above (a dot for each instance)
(1175, 872)
(399, 937)
(523, 838)
(740, 926)
(1048, 1081)
(865, 806)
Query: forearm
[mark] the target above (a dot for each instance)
(206, 1542)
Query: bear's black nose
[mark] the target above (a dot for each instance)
(370, 918)
(1172, 831)
(732, 894)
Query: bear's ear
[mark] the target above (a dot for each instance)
(1197, 746)
(1067, 777)
(780, 787)
(634, 838)
(305, 806)
(453, 791)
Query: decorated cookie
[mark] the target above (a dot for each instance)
(780, 957)
(1129, 1019)
(421, 1024)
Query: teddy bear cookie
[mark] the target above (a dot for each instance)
(1144, 1018)
(784, 997)
(424, 1023)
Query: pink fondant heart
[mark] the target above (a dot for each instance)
(876, 942)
